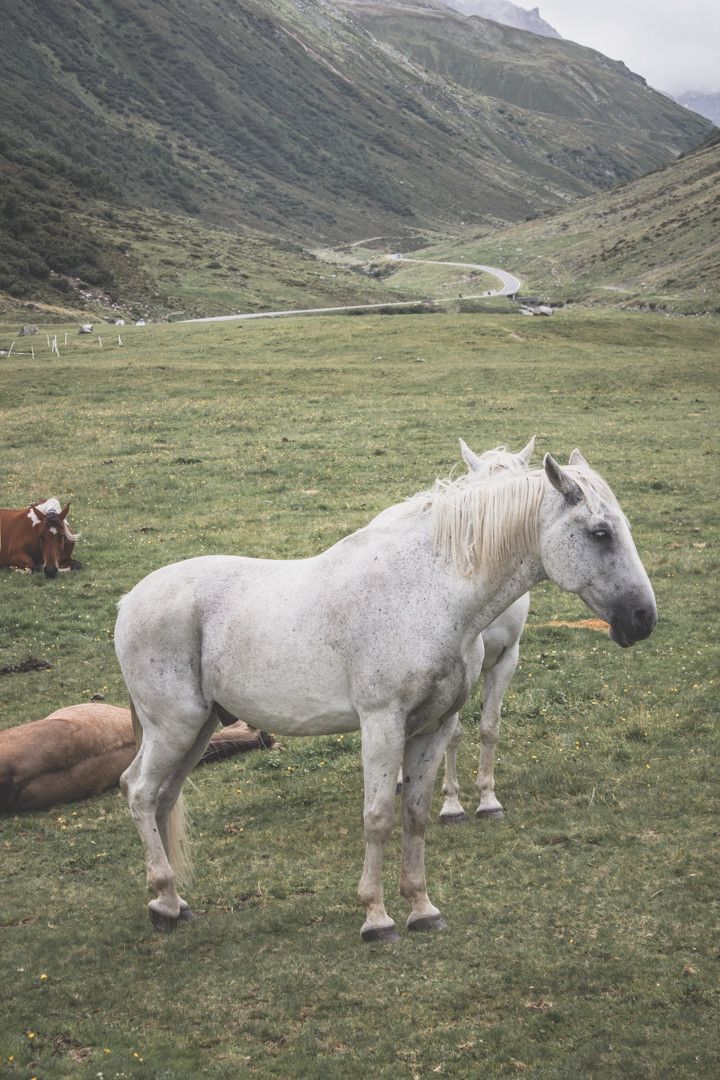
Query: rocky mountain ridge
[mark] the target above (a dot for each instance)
(704, 103)
(502, 11)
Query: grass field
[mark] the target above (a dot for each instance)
(582, 937)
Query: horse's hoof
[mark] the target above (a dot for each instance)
(168, 924)
(427, 922)
(490, 815)
(164, 924)
(386, 934)
(453, 819)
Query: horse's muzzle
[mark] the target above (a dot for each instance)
(629, 627)
(50, 571)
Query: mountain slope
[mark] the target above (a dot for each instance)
(68, 253)
(294, 118)
(610, 119)
(654, 242)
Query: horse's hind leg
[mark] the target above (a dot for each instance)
(497, 680)
(420, 765)
(452, 810)
(143, 783)
(152, 783)
(170, 824)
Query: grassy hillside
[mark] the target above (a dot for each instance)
(65, 255)
(293, 120)
(581, 930)
(556, 102)
(654, 242)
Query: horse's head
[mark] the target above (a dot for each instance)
(50, 528)
(587, 548)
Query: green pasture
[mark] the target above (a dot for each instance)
(434, 280)
(582, 930)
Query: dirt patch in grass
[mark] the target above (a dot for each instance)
(31, 664)
(578, 624)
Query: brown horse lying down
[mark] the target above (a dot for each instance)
(83, 750)
(38, 538)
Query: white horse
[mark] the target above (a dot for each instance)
(380, 632)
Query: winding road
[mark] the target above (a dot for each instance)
(510, 286)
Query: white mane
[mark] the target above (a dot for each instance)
(492, 462)
(478, 523)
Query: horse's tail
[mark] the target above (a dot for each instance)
(178, 847)
(179, 853)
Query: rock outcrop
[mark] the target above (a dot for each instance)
(502, 11)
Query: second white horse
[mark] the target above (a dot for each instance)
(500, 643)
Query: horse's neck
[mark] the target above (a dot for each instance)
(476, 600)
(490, 598)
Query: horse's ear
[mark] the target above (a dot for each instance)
(576, 458)
(561, 481)
(40, 514)
(469, 457)
(527, 451)
(64, 511)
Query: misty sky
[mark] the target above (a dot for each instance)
(674, 44)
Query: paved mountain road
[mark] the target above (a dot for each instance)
(510, 285)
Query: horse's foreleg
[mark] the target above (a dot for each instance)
(422, 759)
(452, 810)
(497, 680)
(383, 739)
(23, 561)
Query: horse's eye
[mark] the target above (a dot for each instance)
(601, 534)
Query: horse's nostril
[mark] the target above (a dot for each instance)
(645, 618)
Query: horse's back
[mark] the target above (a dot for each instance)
(15, 535)
(265, 639)
(177, 600)
(266, 597)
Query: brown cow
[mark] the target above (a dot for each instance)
(83, 750)
(38, 538)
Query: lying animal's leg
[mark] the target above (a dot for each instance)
(383, 738)
(420, 765)
(497, 680)
(452, 810)
(66, 552)
(22, 561)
